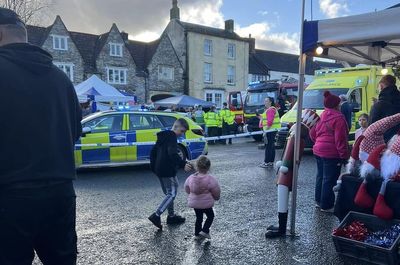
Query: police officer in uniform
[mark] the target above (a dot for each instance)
(228, 122)
(269, 120)
(212, 121)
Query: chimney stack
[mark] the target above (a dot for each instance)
(230, 25)
(174, 12)
(252, 44)
(124, 36)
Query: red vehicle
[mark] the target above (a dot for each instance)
(235, 104)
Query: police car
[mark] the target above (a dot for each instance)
(133, 134)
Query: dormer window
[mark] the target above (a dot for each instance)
(60, 43)
(116, 49)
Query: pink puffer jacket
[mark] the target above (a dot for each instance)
(203, 190)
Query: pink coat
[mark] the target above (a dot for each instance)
(203, 190)
(330, 135)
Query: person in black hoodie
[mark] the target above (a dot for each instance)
(388, 103)
(40, 124)
(164, 162)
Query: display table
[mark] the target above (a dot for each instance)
(349, 188)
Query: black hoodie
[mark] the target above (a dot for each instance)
(164, 157)
(388, 104)
(40, 117)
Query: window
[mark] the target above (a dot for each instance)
(67, 68)
(60, 43)
(110, 123)
(116, 49)
(231, 75)
(168, 121)
(116, 76)
(214, 97)
(355, 99)
(208, 47)
(165, 72)
(231, 51)
(258, 78)
(208, 73)
(143, 122)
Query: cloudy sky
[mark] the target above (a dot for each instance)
(275, 24)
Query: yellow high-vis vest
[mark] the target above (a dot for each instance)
(276, 124)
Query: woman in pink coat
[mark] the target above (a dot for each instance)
(331, 150)
(203, 190)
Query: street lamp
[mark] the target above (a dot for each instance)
(384, 71)
(319, 50)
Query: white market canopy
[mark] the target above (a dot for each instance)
(101, 91)
(371, 38)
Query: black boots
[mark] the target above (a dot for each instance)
(280, 231)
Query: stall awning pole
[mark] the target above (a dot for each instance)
(302, 65)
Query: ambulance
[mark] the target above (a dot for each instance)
(359, 84)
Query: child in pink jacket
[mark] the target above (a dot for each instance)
(203, 190)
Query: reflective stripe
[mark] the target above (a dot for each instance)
(227, 116)
(211, 119)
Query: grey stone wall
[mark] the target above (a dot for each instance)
(134, 84)
(165, 56)
(71, 56)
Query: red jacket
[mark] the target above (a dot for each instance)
(330, 135)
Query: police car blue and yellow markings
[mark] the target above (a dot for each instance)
(127, 144)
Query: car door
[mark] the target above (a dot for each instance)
(142, 128)
(104, 130)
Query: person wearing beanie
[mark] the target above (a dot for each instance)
(331, 150)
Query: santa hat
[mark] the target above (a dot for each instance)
(370, 167)
(390, 164)
(331, 101)
(374, 135)
(355, 155)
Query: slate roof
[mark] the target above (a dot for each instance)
(86, 44)
(37, 35)
(217, 32)
(142, 52)
(256, 66)
(285, 62)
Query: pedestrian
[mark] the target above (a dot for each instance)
(387, 104)
(346, 110)
(228, 121)
(269, 120)
(331, 150)
(363, 122)
(164, 162)
(203, 190)
(37, 197)
(199, 116)
(211, 119)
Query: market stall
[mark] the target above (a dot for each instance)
(182, 101)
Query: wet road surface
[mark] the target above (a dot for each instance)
(113, 206)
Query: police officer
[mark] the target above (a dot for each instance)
(212, 121)
(199, 116)
(269, 120)
(228, 121)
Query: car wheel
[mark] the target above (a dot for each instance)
(182, 152)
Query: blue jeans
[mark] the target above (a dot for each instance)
(328, 172)
(170, 188)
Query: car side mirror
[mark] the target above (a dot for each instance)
(86, 130)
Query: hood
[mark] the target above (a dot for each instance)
(27, 56)
(390, 93)
(330, 114)
(165, 136)
(199, 184)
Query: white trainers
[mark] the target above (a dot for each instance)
(205, 235)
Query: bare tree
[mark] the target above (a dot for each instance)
(30, 11)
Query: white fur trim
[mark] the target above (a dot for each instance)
(365, 169)
(284, 169)
(283, 199)
(350, 165)
(392, 141)
(363, 156)
(390, 165)
(278, 164)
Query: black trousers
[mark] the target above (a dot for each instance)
(199, 220)
(270, 147)
(46, 225)
(213, 131)
(226, 130)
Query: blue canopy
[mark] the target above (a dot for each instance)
(182, 101)
(371, 38)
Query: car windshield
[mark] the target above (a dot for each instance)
(314, 98)
(258, 98)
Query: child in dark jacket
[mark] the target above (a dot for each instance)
(203, 190)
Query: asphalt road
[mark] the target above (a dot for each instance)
(113, 206)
